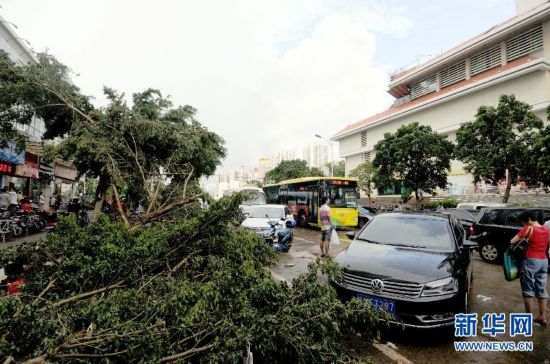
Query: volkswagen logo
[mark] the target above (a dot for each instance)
(377, 285)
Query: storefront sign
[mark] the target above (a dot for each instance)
(65, 172)
(27, 169)
(7, 168)
(9, 153)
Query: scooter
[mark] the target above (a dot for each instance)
(279, 240)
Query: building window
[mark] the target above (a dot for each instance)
(524, 43)
(423, 87)
(363, 139)
(485, 60)
(453, 74)
(365, 157)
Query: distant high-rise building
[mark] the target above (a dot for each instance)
(316, 154)
(284, 155)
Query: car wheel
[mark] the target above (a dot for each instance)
(302, 219)
(489, 253)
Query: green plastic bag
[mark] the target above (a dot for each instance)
(510, 266)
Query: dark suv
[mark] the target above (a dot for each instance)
(495, 227)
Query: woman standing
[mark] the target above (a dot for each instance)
(535, 264)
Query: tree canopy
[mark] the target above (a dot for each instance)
(38, 90)
(296, 168)
(339, 168)
(152, 149)
(415, 157)
(500, 139)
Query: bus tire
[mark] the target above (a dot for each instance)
(302, 219)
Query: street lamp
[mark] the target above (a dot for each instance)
(331, 154)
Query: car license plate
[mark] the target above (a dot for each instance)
(378, 303)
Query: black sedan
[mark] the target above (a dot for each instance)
(416, 266)
(465, 217)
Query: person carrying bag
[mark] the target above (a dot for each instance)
(514, 256)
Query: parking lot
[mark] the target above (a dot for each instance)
(491, 293)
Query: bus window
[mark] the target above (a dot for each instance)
(342, 196)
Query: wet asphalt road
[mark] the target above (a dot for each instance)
(491, 293)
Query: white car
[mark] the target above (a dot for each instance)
(258, 216)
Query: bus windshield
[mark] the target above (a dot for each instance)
(342, 196)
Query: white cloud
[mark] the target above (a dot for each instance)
(264, 75)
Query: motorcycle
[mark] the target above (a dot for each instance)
(279, 240)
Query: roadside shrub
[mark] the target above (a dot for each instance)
(197, 290)
(446, 203)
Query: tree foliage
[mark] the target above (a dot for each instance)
(339, 168)
(500, 139)
(541, 151)
(38, 90)
(364, 173)
(296, 168)
(415, 157)
(198, 290)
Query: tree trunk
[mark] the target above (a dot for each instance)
(508, 188)
(417, 199)
(119, 206)
(100, 190)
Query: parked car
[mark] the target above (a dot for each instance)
(465, 218)
(495, 227)
(364, 216)
(417, 266)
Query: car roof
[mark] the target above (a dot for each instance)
(515, 208)
(431, 215)
(268, 205)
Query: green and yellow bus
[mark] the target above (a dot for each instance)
(303, 196)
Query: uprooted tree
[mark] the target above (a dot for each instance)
(197, 290)
(152, 150)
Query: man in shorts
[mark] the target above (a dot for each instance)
(326, 226)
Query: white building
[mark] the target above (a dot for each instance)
(510, 58)
(284, 155)
(316, 154)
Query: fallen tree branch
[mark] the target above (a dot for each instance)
(50, 285)
(88, 294)
(186, 353)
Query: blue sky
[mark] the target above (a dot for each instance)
(265, 75)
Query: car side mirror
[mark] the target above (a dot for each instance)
(351, 235)
(471, 245)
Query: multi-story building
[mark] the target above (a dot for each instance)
(316, 154)
(510, 58)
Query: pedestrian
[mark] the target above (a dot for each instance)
(4, 198)
(535, 265)
(326, 226)
(41, 201)
(13, 199)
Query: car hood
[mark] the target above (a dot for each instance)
(395, 262)
(256, 222)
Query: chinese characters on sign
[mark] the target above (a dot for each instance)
(494, 324)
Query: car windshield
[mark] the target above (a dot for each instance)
(461, 214)
(271, 212)
(408, 230)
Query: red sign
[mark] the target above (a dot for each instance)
(28, 169)
(6, 168)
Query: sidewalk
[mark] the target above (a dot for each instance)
(30, 238)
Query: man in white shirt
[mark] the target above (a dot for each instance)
(326, 226)
(13, 197)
